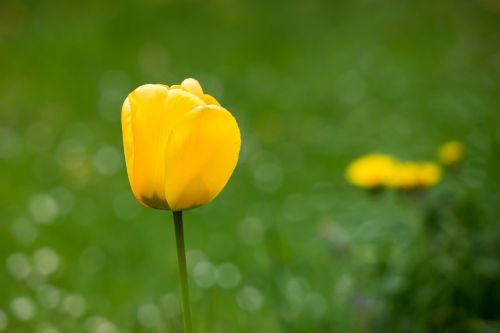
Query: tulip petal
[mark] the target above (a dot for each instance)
(128, 138)
(202, 152)
(210, 100)
(146, 103)
(154, 111)
(192, 86)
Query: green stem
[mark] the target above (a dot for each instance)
(181, 257)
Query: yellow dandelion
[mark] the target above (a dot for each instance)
(429, 174)
(413, 175)
(451, 153)
(371, 171)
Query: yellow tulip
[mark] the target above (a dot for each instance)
(181, 146)
(371, 171)
(451, 153)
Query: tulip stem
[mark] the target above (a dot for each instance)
(181, 257)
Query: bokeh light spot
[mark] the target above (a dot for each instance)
(204, 274)
(268, 177)
(251, 230)
(43, 208)
(23, 308)
(108, 161)
(48, 296)
(19, 266)
(250, 299)
(170, 305)
(74, 305)
(4, 321)
(228, 275)
(46, 260)
(97, 324)
(46, 328)
(149, 315)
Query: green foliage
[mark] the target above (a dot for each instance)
(451, 278)
(289, 246)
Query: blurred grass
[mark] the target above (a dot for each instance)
(313, 85)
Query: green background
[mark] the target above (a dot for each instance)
(289, 245)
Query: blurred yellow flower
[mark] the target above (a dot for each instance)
(181, 146)
(371, 171)
(405, 175)
(451, 153)
(412, 175)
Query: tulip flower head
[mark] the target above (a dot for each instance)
(181, 146)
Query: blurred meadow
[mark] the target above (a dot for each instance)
(289, 245)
